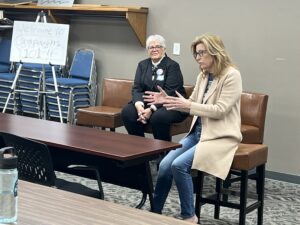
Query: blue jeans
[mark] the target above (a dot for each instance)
(177, 164)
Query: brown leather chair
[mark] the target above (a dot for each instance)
(248, 163)
(253, 114)
(247, 158)
(116, 93)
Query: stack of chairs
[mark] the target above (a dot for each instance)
(30, 83)
(6, 81)
(6, 76)
(76, 91)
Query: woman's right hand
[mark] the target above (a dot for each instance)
(155, 97)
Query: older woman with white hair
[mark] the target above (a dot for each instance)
(157, 70)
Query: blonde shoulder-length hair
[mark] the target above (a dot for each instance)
(215, 47)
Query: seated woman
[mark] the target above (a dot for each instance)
(156, 70)
(215, 131)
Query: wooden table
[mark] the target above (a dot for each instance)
(122, 159)
(40, 205)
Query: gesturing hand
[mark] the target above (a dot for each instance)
(155, 97)
(176, 102)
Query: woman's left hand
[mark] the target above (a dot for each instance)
(177, 102)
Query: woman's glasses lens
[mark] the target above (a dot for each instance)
(200, 53)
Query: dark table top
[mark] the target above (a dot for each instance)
(87, 140)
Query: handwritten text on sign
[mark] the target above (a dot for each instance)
(55, 2)
(39, 43)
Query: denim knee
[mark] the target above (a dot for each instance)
(164, 169)
(178, 167)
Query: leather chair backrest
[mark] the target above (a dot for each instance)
(188, 89)
(253, 111)
(116, 92)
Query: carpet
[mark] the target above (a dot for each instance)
(282, 202)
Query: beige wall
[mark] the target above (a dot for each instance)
(262, 37)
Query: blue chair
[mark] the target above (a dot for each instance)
(5, 64)
(76, 91)
(6, 81)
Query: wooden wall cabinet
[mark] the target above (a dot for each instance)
(135, 16)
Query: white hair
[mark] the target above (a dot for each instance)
(156, 37)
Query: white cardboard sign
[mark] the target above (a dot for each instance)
(55, 3)
(36, 42)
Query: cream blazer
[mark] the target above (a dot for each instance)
(221, 121)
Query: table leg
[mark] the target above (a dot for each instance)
(149, 185)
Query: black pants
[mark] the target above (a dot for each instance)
(160, 121)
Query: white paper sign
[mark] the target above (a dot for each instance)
(36, 42)
(55, 2)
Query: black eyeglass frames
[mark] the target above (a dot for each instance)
(201, 53)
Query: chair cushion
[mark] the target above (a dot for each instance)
(100, 116)
(249, 156)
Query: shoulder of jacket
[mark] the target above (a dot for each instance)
(145, 61)
(170, 61)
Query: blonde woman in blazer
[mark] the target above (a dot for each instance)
(215, 131)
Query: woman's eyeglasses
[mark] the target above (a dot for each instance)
(156, 47)
(200, 53)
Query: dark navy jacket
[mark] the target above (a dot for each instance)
(167, 75)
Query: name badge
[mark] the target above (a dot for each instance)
(160, 75)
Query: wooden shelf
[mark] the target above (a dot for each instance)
(136, 16)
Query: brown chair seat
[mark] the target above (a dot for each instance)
(249, 156)
(246, 158)
(100, 116)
